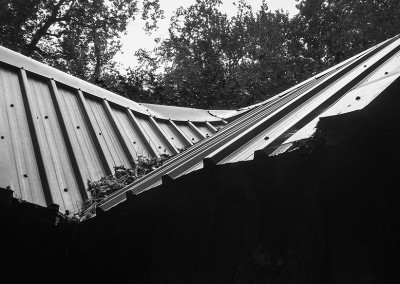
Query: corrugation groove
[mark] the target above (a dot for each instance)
(81, 139)
(185, 128)
(218, 124)
(18, 154)
(202, 127)
(163, 136)
(112, 119)
(172, 134)
(53, 149)
(154, 139)
(106, 135)
(76, 166)
(133, 140)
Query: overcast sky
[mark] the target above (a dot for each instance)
(136, 37)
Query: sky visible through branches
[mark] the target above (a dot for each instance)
(136, 37)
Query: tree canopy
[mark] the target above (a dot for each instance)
(208, 60)
(77, 36)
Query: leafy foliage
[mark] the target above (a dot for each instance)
(208, 60)
(100, 190)
(77, 36)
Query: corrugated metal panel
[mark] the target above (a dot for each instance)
(189, 132)
(153, 137)
(136, 144)
(106, 134)
(268, 125)
(19, 169)
(81, 141)
(58, 131)
(177, 138)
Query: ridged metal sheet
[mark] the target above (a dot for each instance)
(290, 116)
(57, 132)
(18, 161)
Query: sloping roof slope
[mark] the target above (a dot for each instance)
(58, 131)
(279, 123)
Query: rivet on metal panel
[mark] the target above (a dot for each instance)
(25, 175)
(65, 189)
(11, 105)
(358, 98)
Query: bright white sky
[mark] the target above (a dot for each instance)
(136, 37)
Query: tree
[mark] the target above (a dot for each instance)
(77, 36)
(213, 61)
(330, 31)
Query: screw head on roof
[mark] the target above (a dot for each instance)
(11, 105)
(2, 137)
(266, 138)
(99, 133)
(78, 127)
(46, 117)
(358, 98)
(65, 189)
(134, 142)
(25, 175)
(159, 147)
(386, 73)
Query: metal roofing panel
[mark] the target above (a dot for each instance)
(57, 132)
(189, 132)
(135, 143)
(176, 138)
(57, 165)
(204, 129)
(79, 134)
(185, 113)
(280, 117)
(19, 169)
(153, 137)
(44, 139)
(106, 134)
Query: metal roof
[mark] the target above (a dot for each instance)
(274, 125)
(58, 131)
